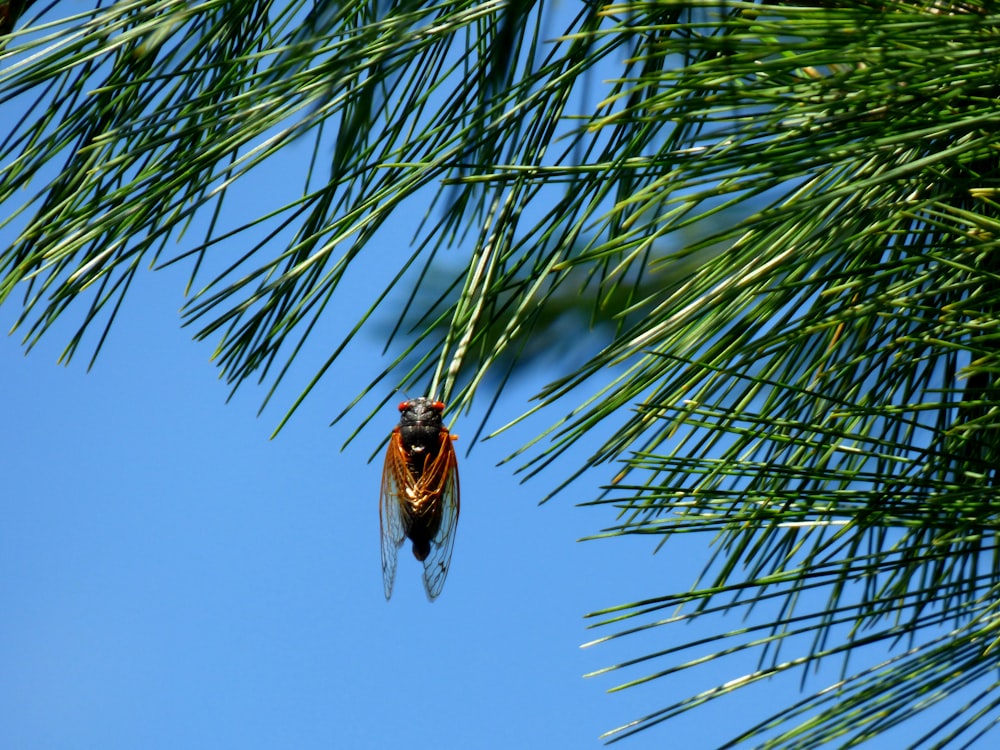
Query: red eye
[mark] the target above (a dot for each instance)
(437, 406)
(402, 405)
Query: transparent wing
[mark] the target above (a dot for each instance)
(390, 513)
(443, 474)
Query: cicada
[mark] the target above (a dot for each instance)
(420, 495)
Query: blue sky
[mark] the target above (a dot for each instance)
(173, 578)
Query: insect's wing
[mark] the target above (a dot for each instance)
(394, 474)
(443, 475)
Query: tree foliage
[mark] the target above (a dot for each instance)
(787, 215)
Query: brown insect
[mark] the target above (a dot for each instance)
(420, 496)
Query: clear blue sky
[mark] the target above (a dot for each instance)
(173, 578)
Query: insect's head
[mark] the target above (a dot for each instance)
(421, 410)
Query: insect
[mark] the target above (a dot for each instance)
(420, 495)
